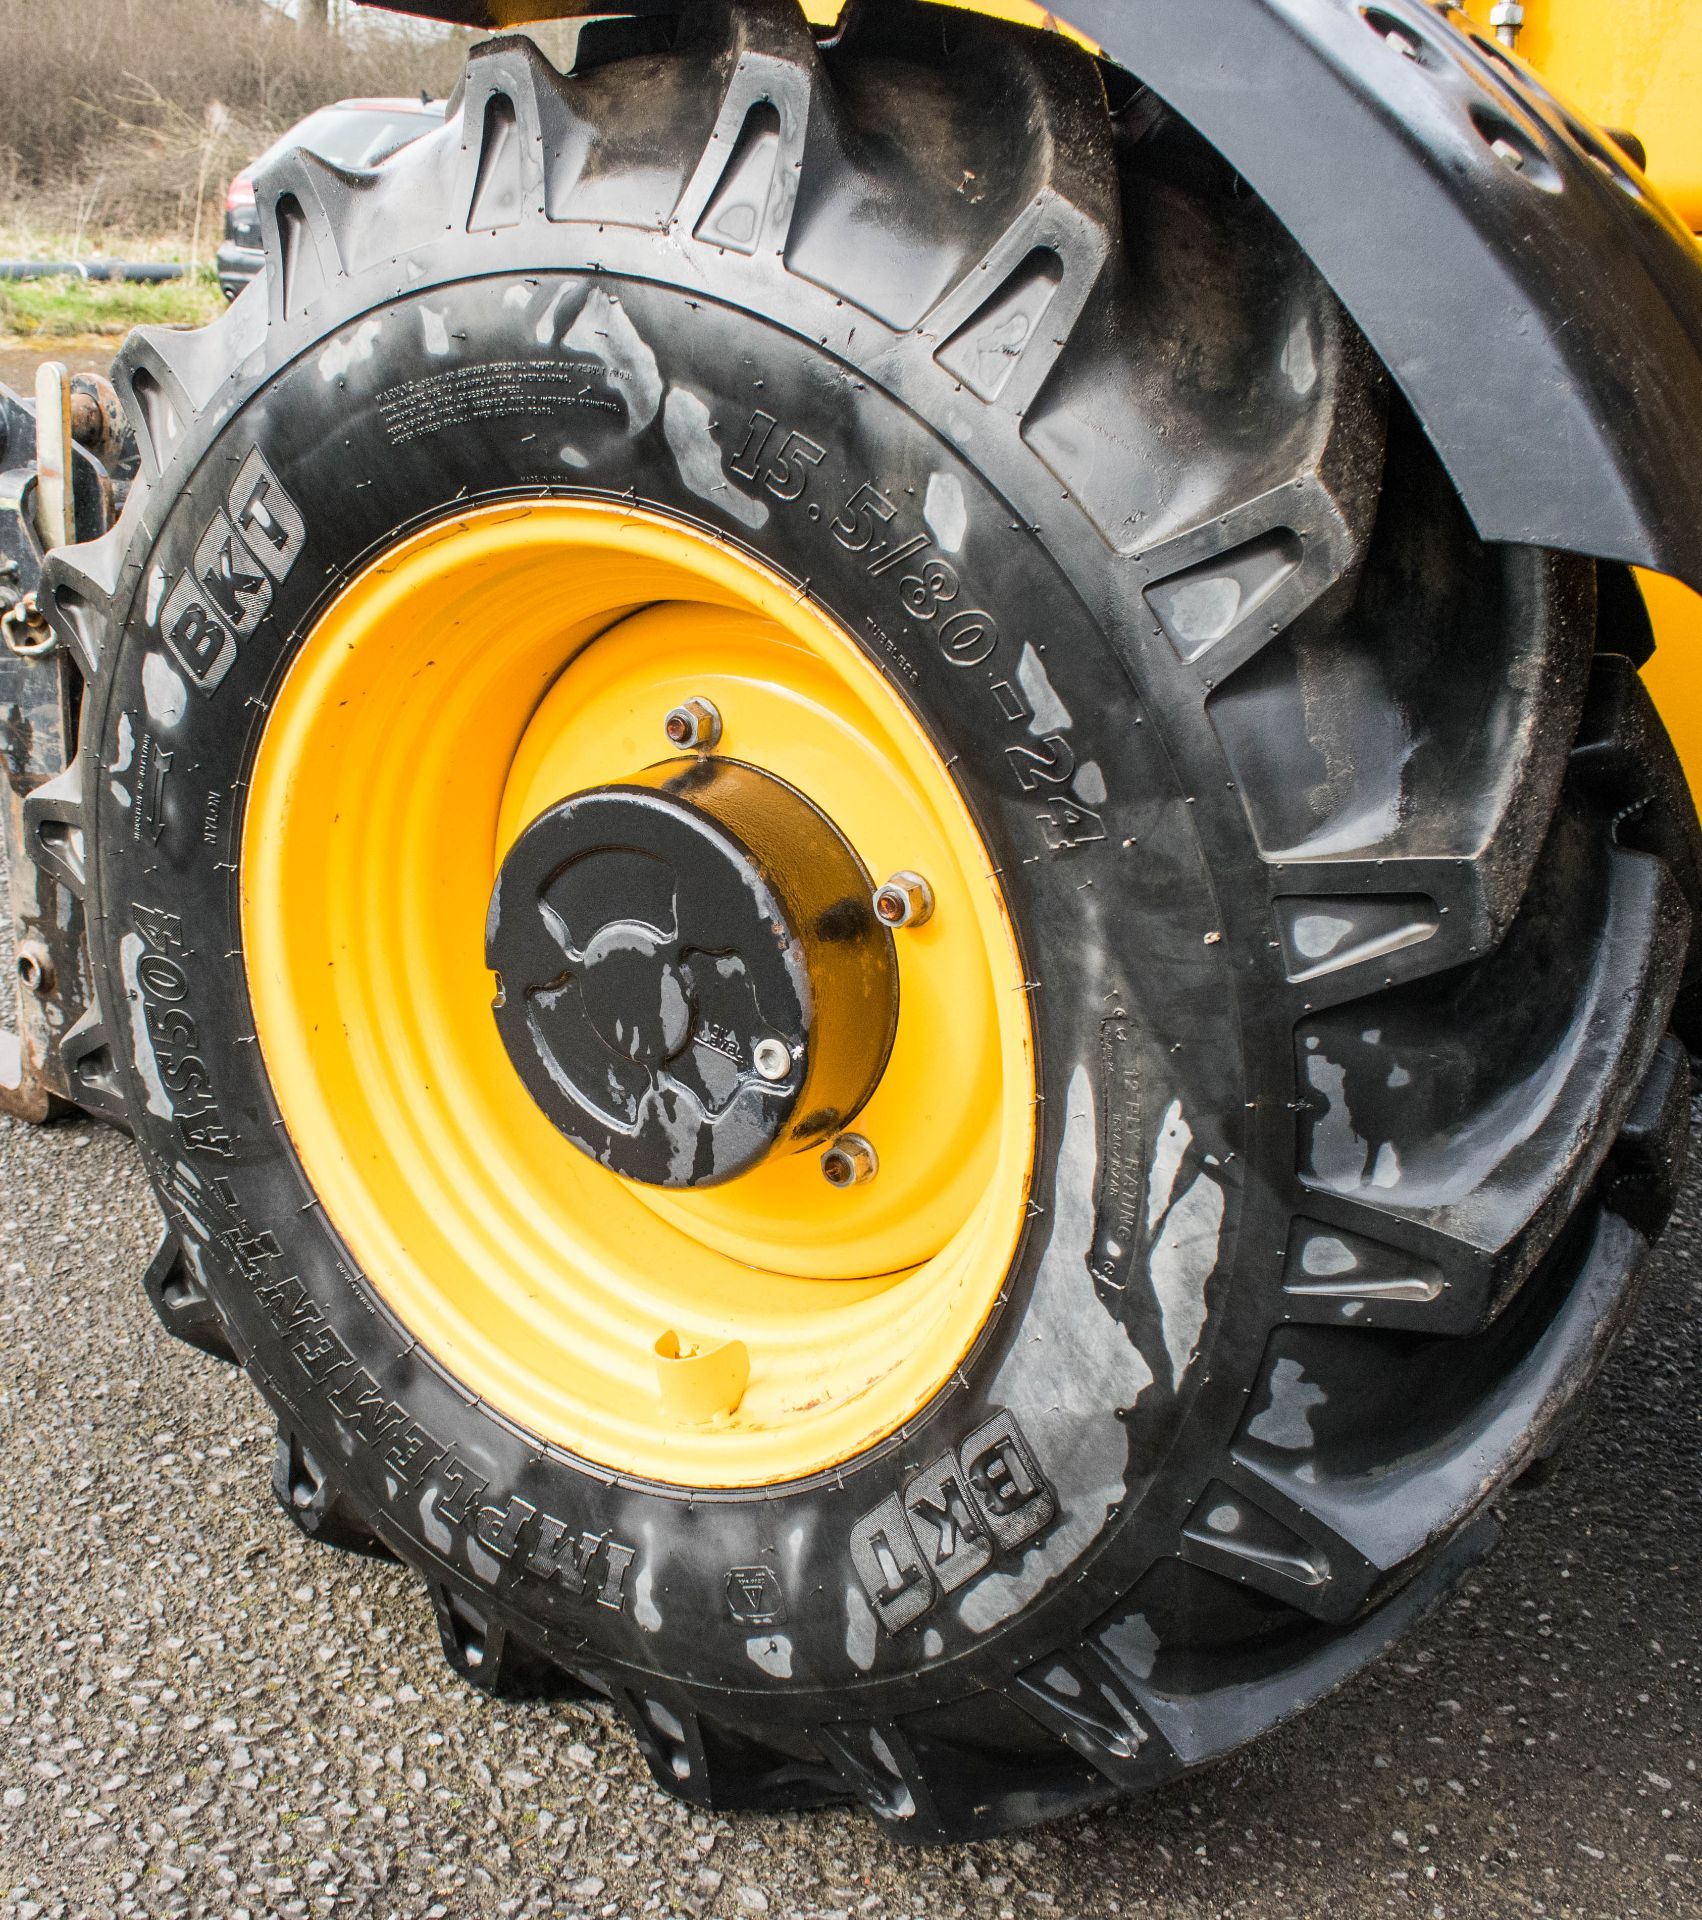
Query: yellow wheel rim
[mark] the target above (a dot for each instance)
(467, 680)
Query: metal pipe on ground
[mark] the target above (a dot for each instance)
(148, 272)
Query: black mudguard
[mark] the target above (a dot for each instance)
(1540, 308)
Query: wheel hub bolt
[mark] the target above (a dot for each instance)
(35, 967)
(25, 630)
(694, 726)
(849, 1161)
(772, 1059)
(905, 901)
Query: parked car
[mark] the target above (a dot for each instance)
(353, 133)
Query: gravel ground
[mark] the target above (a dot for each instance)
(200, 1712)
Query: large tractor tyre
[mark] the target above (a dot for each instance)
(974, 1349)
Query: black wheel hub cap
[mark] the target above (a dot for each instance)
(690, 975)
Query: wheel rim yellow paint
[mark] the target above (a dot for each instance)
(474, 675)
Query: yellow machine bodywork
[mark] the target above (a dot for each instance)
(1636, 66)
(1025, 13)
(1631, 65)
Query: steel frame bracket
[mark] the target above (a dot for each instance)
(40, 697)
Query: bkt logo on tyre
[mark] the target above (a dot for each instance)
(240, 560)
(949, 1521)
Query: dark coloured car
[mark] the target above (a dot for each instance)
(353, 133)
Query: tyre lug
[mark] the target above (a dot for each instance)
(694, 726)
(906, 900)
(849, 1162)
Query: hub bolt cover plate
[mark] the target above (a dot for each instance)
(659, 944)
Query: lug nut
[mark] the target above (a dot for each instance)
(772, 1058)
(849, 1161)
(694, 726)
(35, 967)
(25, 630)
(905, 901)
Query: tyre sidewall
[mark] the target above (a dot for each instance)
(1049, 1453)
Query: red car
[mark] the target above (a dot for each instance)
(352, 133)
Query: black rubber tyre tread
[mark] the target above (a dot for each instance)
(186, 1309)
(488, 1655)
(1384, 885)
(312, 1500)
(1624, 753)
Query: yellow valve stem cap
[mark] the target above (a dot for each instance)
(701, 1384)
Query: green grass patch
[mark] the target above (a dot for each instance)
(63, 308)
(24, 237)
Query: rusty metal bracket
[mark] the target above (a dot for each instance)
(40, 696)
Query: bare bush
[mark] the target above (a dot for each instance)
(129, 116)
